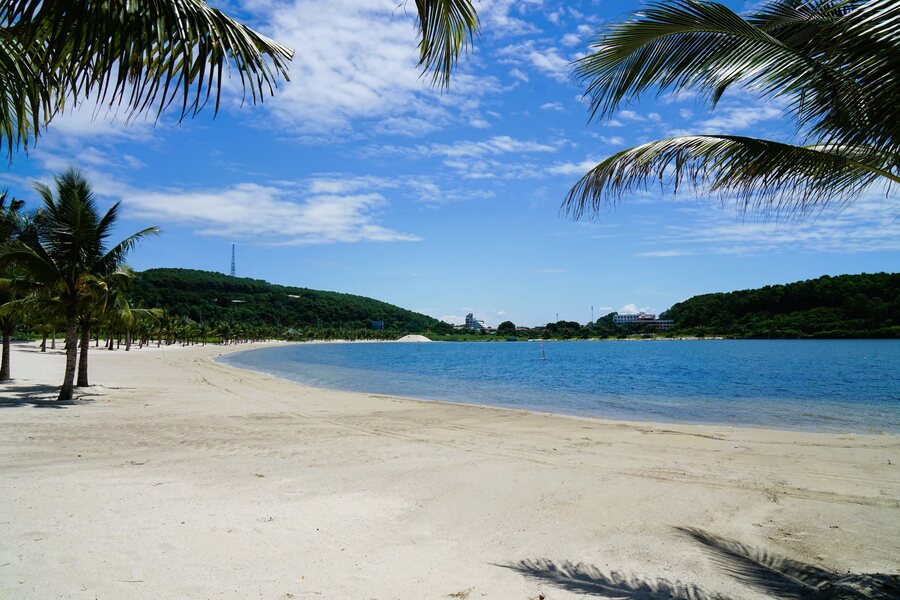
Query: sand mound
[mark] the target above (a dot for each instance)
(414, 338)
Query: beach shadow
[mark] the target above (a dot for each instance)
(591, 581)
(38, 395)
(768, 573)
(783, 577)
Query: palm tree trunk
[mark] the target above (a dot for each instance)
(44, 342)
(53, 341)
(83, 360)
(4, 361)
(65, 393)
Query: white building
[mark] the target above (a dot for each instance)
(646, 319)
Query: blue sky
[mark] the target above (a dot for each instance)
(359, 177)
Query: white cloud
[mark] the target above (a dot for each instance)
(615, 140)
(519, 74)
(498, 21)
(553, 106)
(869, 224)
(96, 123)
(356, 61)
(480, 159)
(739, 117)
(327, 208)
(571, 39)
(267, 214)
(630, 115)
(494, 146)
(571, 168)
(633, 309)
(546, 60)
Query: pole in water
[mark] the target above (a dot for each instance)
(543, 354)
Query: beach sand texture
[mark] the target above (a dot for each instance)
(177, 477)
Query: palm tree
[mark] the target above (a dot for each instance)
(104, 301)
(835, 63)
(145, 55)
(70, 254)
(11, 226)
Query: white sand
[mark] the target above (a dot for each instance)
(414, 338)
(177, 477)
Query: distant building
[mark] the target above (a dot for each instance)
(378, 325)
(645, 320)
(473, 324)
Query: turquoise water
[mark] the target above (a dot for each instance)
(818, 385)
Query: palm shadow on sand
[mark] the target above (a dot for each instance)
(767, 573)
(13, 395)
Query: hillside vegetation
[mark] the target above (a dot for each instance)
(208, 297)
(866, 305)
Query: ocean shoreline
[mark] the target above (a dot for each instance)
(178, 476)
(584, 415)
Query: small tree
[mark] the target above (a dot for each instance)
(507, 328)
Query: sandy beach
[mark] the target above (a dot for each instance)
(177, 477)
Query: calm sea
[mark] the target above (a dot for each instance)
(819, 385)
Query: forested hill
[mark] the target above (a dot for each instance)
(208, 297)
(866, 305)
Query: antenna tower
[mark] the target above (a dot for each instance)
(232, 261)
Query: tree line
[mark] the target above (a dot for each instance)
(208, 297)
(845, 306)
(864, 305)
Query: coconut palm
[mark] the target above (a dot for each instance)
(70, 254)
(12, 224)
(835, 64)
(146, 55)
(103, 302)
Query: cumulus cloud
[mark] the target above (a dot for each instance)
(322, 209)
(499, 19)
(356, 61)
(268, 214)
(544, 59)
(633, 309)
(571, 39)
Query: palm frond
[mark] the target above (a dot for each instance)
(758, 173)
(446, 28)
(841, 75)
(140, 55)
(111, 261)
(25, 90)
(40, 269)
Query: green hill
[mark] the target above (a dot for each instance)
(213, 297)
(866, 305)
